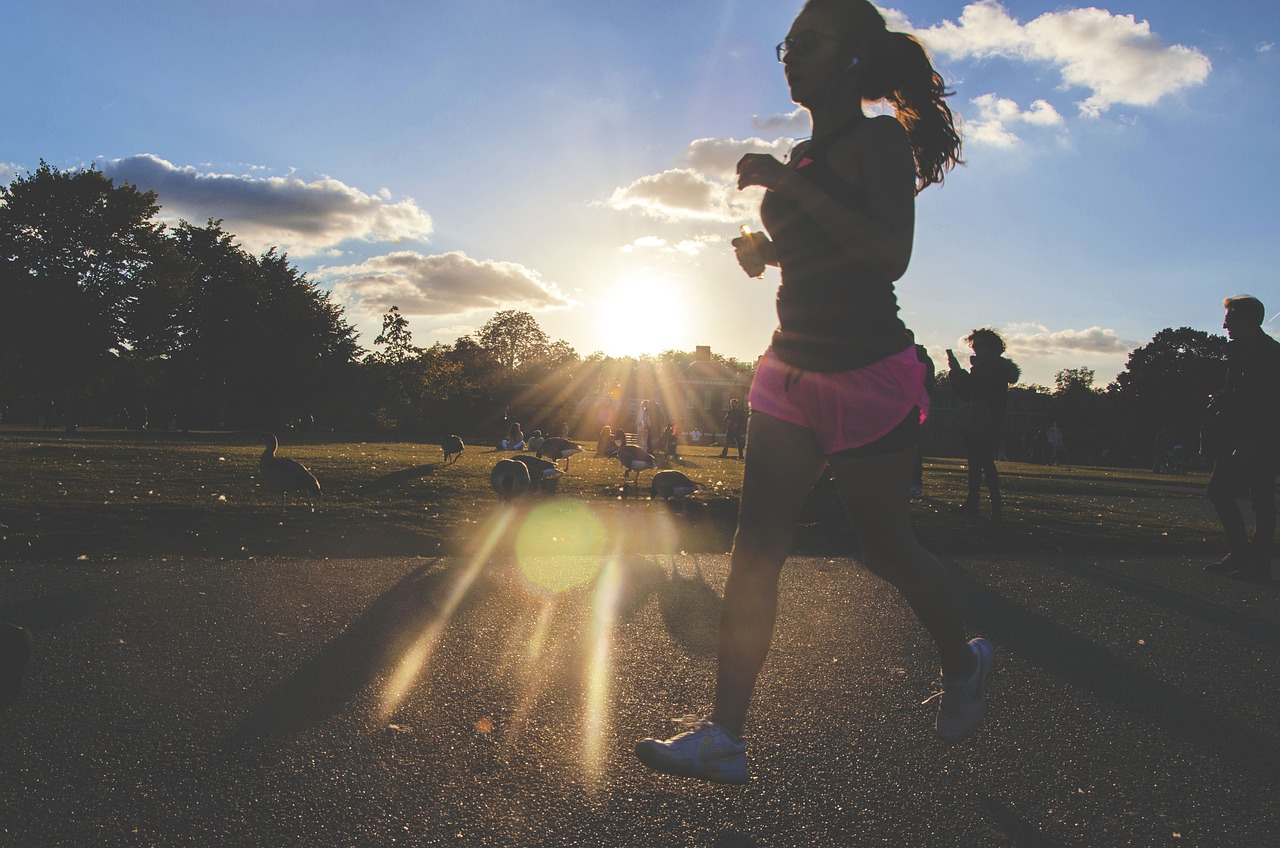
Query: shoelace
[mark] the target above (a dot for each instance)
(691, 722)
(957, 687)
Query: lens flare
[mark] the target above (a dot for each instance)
(595, 724)
(559, 546)
(416, 658)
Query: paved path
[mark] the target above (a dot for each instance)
(445, 702)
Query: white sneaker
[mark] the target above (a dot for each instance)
(706, 751)
(962, 703)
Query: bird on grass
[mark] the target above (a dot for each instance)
(452, 447)
(284, 475)
(558, 448)
(543, 473)
(670, 485)
(510, 479)
(635, 459)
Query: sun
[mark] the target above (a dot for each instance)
(644, 311)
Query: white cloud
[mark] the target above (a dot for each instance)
(304, 218)
(689, 246)
(694, 246)
(996, 113)
(1116, 57)
(795, 123)
(1037, 340)
(718, 157)
(438, 285)
(644, 243)
(9, 172)
(1266, 46)
(685, 194)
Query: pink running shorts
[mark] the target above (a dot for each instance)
(844, 409)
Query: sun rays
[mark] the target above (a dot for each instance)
(556, 650)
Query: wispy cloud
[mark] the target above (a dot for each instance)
(795, 123)
(304, 218)
(718, 157)
(684, 194)
(9, 171)
(1117, 58)
(1038, 340)
(706, 190)
(438, 285)
(688, 247)
(996, 114)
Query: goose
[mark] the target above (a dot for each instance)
(284, 475)
(673, 484)
(452, 446)
(635, 459)
(510, 479)
(544, 473)
(558, 448)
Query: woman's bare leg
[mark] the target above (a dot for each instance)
(874, 491)
(783, 462)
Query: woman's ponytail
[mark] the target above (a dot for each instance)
(903, 75)
(895, 67)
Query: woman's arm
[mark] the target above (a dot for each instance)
(876, 157)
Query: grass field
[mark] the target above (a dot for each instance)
(100, 495)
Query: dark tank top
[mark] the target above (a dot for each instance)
(834, 314)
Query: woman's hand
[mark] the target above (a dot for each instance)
(761, 169)
(754, 251)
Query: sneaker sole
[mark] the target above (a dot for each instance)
(987, 660)
(652, 759)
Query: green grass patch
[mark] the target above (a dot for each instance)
(101, 495)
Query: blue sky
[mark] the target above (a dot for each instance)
(573, 159)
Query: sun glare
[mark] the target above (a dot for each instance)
(645, 311)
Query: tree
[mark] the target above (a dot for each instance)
(1073, 380)
(80, 258)
(259, 344)
(1167, 383)
(395, 339)
(513, 338)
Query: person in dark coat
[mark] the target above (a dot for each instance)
(735, 427)
(1249, 409)
(985, 385)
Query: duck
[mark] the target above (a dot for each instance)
(634, 458)
(559, 448)
(543, 473)
(284, 475)
(452, 447)
(670, 485)
(510, 479)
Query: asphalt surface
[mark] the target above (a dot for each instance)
(459, 702)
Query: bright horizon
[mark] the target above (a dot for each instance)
(575, 160)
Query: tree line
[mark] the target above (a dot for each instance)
(104, 309)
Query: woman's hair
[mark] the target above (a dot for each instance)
(895, 67)
(989, 335)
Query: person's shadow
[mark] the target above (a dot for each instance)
(690, 608)
(368, 649)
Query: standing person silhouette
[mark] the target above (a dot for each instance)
(986, 384)
(1250, 407)
(735, 424)
(841, 383)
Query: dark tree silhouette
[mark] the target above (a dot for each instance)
(85, 270)
(1167, 383)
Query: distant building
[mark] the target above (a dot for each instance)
(696, 395)
(699, 394)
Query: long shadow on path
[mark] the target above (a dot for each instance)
(1081, 663)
